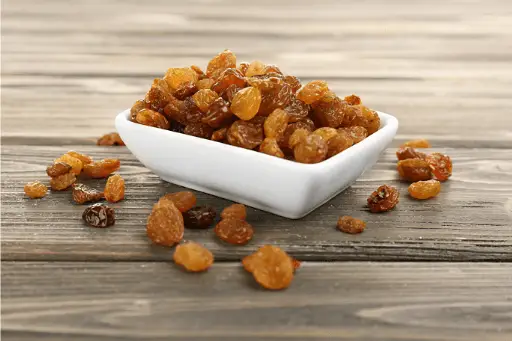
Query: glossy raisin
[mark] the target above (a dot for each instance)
(82, 193)
(110, 139)
(200, 217)
(242, 67)
(199, 130)
(58, 168)
(297, 110)
(278, 97)
(271, 267)
(219, 114)
(165, 224)
(339, 143)
(35, 190)
(230, 92)
(220, 135)
(293, 82)
(175, 77)
(312, 150)
(224, 60)
(245, 134)
(205, 83)
(256, 68)
(276, 123)
(383, 199)
(136, 107)
(326, 133)
(414, 170)
(152, 118)
(76, 164)
(350, 225)
(246, 103)
(270, 146)
(197, 69)
(424, 189)
(185, 90)
(204, 98)
(176, 111)
(159, 95)
(183, 201)
(420, 143)
(237, 211)
(271, 69)
(234, 231)
(364, 117)
(102, 169)
(356, 133)
(114, 188)
(290, 129)
(227, 78)
(441, 165)
(329, 114)
(353, 99)
(99, 215)
(298, 136)
(86, 159)
(409, 153)
(62, 182)
(313, 91)
(193, 257)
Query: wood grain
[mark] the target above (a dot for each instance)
(470, 220)
(353, 301)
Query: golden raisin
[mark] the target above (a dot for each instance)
(204, 98)
(86, 159)
(329, 114)
(339, 143)
(364, 117)
(424, 189)
(293, 82)
(102, 169)
(290, 129)
(276, 123)
(356, 133)
(296, 109)
(246, 103)
(409, 153)
(35, 190)
(193, 257)
(383, 199)
(205, 83)
(326, 133)
(199, 130)
(414, 170)
(353, 99)
(62, 182)
(183, 201)
(297, 137)
(152, 118)
(178, 76)
(350, 225)
(312, 150)
(278, 96)
(159, 95)
(242, 67)
(220, 134)
(256, 68)
(76, 164)
(224, 60)
(296, 263)
(114, 189)
(58, 168)
(271, 69)
(165, 224)
(420, 143)
(185, 90)
(313, 91)
(237, 211)
(219, 114)
(228, 78)
(234, 231)
(82, 193)
(269, 146)
(136, 107)
(110, 139)
(197, 69)
(441, 165)
(271, 267)
(245, 134)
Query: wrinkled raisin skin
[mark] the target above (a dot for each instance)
(114, 189)
(271, 267)
(312, 149)
(424, 189)
(99, 215)
(405, 153)
(62, 182)
(184, 201)
(414, 170)
(441, 166)
(58, 168)
(383, 199)
(102, 169)
(237, 211)
(244, 134)
(234, 231)
(218, 114)
(420, 143)
(201, 217)
(110, 139)
(165, 223)
(193, 257)
(350, 225)
(82, 194)
(35, 190)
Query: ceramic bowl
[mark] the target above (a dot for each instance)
(286, 188)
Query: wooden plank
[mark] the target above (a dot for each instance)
(470, 220)
(348, 301)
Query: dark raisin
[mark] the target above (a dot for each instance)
(200, 217)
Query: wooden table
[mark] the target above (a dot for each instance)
(434, 270)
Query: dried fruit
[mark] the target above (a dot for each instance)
(199, 130)
(356, 133)
(242, 67)
(383, 199)
(244, 134)
(256, 68)
(234, 231)
(178, 76)
(296, 110)
(350, 225)
(76, 164)
(230, 92)
(224, 60)
(110, 139)
(190, 111)
(152, 118)
(218, 114)
(205, 83)
(99, 215)
(165, 223)
(271, 69)
(313, 91)
(237, 211)
(58, 168)
(339, 143)
(102, 169)
(197, 69)
(35, 190)
(329, 114)
(270, 146)
(414, 170)
(200, 217)
(271, 267)
(136, 107)
(177, 110)
(409, 153)
(220, 135)
(293, 82)
(183, 201)
(246, 103)
(228, 78)
(276, 123)
(62, 182)
(298, 136)
(290, 129)
(159, 95)
(114, 189)
(86, 159)
(204, 98)
(420, 143)
(441, 165)
(353, 99)
(326, 133)
(312, 150)
(185, 90)
(424, 189)
(82, 193)
(364, 117)
(193, 257)
(277, 97)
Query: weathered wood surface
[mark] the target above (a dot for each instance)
(470, 220)
(353, 301)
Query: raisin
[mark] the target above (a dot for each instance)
(224, 60)
(185, 90)
(62, 182)
(312, 150)
(205, 83)
(227, 78)
(136, 107)
(293, 82)
(420, 143)
(256, 68)
(178, 76)
(200, 217)
(278, 97)
(159, 95)
(76, 164)
(152, 118)
(218, 114)
(114, 188)
(102, 169)
(383, 199)
(246, 103)
(364, 117)
(290, 129)
(270, 146)
(234, 231)
(190, 111)
(414, 170)
(441, 166)
(296, 109)
(329, 114)
(245, 134)
(165, 224)
(184, 201)
(271, 267)
(82, 194)
(220, 134)
(409, 153)
(237, 211)
(356, 133)
(197, 69)
(58, 168)
(177, 127)
(86, 159)
(230, 92)
(99, 215)
(204, 98)
(424, 189)
(199, 130)
(353, 99)
(339, 143)
(326, 133)
(350, 225)
(276, 123)
(297, 137)
(269, 69)
(193, 257)
(313, 91)
(35, 190)
(110, 139)
(176, 110)
(265, 82)
(242, 67)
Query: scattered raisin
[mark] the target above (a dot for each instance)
(414, 170)
(200, 217)
(409, 153)
(218, 114)
(270, 146)
(383, 199)
(441, 166)
(244, 134)
(165, 224)
(62, 182)
(246, 103)
(350, 225)
(183, 201)
(193, 257)
(237, 211)
(199, 130)
(58, 168)
(220, 135)
(420, 143)
(271, 267)
(356, 133)
(424, 189)
(152, 118)
(313, 91)
(82, 193)
(35, 190)
(312, 150)
(76, 164)
(204, 98)
(110, 139)
(99, 215)
(102, 169)
(227, 78)
(114, 189)
(224, 60)
(234, 231)
(296, 264)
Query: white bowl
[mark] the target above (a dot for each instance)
(286, 188)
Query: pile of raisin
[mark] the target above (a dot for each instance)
(254, 106)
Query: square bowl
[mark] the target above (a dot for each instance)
(286, 188)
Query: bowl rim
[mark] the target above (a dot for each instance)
(389, 126)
